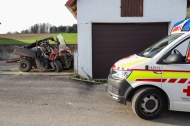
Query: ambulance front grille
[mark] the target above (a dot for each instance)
(113, 89)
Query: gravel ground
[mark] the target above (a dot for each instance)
(60, 101)
(8, 66)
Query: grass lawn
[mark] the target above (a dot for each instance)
(70, 38)
(10, 41)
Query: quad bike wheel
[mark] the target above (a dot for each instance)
(148, 103)
(58, 66)
(25, 65)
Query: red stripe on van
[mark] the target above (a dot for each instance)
(183, 71)
(172, 81)
(182, 81)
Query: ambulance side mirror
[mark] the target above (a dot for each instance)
(173, 59)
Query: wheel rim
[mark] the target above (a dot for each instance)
(23, 65)
(150, 104)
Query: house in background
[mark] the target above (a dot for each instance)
(109, 30)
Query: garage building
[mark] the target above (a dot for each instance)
(109, 30)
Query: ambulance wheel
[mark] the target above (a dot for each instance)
(25, 65)
(148, 103)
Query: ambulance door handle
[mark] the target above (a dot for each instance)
(157, 72)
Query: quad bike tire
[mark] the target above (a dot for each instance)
(58, 66)
(25, 65)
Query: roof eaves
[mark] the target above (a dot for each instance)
(69, 5)
(70, 2)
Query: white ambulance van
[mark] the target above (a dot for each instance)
(155, 79)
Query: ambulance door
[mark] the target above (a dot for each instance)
(176, 79)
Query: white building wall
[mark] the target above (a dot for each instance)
(108, 11)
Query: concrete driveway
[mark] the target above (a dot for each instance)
(31, 100)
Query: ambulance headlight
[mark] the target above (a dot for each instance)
(120, 74)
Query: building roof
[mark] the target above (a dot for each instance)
(72, 6)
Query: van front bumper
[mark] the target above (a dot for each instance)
(118, 89)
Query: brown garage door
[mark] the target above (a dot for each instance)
(111, 42)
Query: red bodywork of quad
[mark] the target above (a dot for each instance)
(55, 52)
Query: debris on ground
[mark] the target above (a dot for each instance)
(13, 60)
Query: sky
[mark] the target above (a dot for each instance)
(17, 15)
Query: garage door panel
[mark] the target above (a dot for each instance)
(131, 26)
(122, 33)
(120, 48)
(126, 39)
(107, 56)
(130, 44)
(102, 67)
(104, 59)
(101, 74)
(114, 45)
(111, 42)
(114, 50)
(102, 71)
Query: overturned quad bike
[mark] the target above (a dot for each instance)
(42, 56)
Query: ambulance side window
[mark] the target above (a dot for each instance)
(183, 47)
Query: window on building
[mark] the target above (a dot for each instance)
(131, 8)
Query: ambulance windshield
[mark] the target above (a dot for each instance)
(157, 47)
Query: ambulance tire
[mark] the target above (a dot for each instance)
(148, 103)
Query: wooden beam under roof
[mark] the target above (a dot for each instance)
(72, 6)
